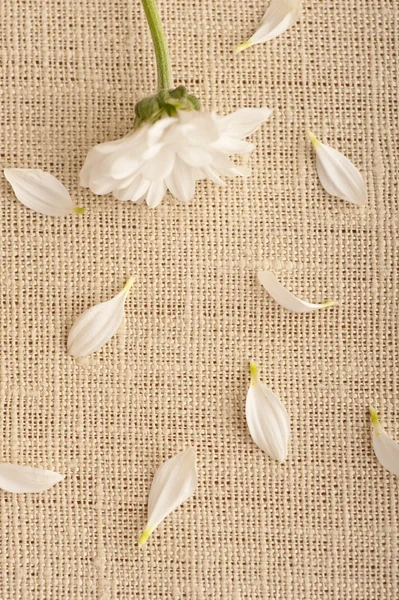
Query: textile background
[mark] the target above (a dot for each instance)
(323, 526)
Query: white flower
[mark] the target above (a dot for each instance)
(280, 15)
(285, 298)
(172, 153)
(267, 419)
(41, 192)
(19, 479)
(96, 326)
(338, 176)
(174, 482)
(385, 448)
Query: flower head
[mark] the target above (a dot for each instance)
(172, 153)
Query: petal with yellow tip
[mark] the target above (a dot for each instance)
(267, 418)
(96, 326)
(338, 176)
(174, 482)
(385, 448)
(279, 17)
(286, 298)
(41, 192)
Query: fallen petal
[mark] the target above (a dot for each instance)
(285, 298)
(19, 479)
(41, 192)
(338, 176)
(280, 15)
(385, 448)
(174, 482)
(96, 326)
(267, 418)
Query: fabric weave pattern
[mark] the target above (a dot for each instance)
(324, 526)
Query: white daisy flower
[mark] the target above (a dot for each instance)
(172, 153)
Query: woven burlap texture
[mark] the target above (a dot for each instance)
(325, 524)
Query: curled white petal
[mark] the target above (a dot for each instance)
(286, 298)
(174, 482)
(19, 479)
(172, 154)
(267, 419)
(279, 17)
(41, 192)
(385, 448)
(96, 326)
(338, 176)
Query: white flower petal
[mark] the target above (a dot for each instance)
(181, 182)
(223, 166)
(122, 167)
(96, 156)
(200, 128)
(134, 191)
(243, 122)
(280, 15)
(241, 170)
(174, 482)
(41, 192)
(195, 157)
(160, 166)
(19, 479)
(103, 185)
(156, 192)
(385, 448)
(267, 419)
(96, 326)
(156, 131)
(338, 176)
(285, 298)
(213, 176)
(230, 145)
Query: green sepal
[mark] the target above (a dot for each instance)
(165, 102)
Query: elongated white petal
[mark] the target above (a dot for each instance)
(159, 166)
(286, 298)
(19, 479)
(338, 176)
(280, 15)
(134, 191)
(96, 326)
(195, 157)
(156, 192)
(243, 122)
(174, 482)
(41, 192)
(181, 182)
(230, 145)
(267, 418)
(385, 448)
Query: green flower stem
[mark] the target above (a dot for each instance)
(160, 45)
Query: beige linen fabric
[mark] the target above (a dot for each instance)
(324, 525)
